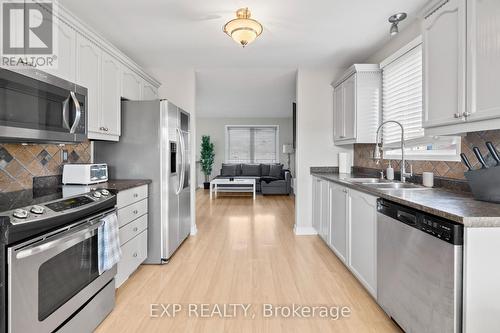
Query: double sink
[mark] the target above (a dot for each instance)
(381, 184)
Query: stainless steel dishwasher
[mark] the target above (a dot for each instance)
(419, 269)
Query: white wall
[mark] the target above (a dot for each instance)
(179, 87)
(215, 127)
(314, 139)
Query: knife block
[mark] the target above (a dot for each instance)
(485, 184)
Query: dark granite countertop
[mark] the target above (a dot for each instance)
(122, 184)
(456, 206)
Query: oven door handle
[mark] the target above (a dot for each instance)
(66, 240)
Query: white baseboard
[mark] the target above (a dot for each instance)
(194, 230)
(304, 231)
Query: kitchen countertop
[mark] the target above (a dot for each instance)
(456, 206)
(122, 184)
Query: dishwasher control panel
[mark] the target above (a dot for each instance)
(436, 226)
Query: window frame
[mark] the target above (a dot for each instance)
(425, 140)
(226, 140)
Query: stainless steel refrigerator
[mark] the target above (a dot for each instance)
(155, 144)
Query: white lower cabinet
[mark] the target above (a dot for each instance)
(133, 220)
(363, 239)
(325, 212)
(346, 220)
(316, 194)
(338, 221)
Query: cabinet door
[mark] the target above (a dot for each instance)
(483, 17)
(65, 64)
(111, 93)
(149, 92)
(349, 88)
(338, 113)
(363, 239)
(316, 204)
(325, 211)
(131, 85)
(89, 75)
(444, 38)
(339, 218)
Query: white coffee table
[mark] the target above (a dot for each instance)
(244, 185)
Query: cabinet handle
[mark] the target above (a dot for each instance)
(136, 195)
(135, 211)
(466, 114)
(135, 229)
(134, 255)
(457, 115)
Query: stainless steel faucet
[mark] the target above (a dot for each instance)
(378, 148)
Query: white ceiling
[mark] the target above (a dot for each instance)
(188, 33)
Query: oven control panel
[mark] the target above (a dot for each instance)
(61, 206)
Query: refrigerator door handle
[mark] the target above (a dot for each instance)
(181, 175)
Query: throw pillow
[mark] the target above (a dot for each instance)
(264, 169)
(228, 170)
(275, 170)
(250, 170)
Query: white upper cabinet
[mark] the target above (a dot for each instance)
(149, 92)
(483, 31)
(66, 52)
(88, 75)
(356, 106)
(111, 96)
(444, 63)
(461, 66)
(132, 85)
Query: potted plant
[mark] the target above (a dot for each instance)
(207, 159)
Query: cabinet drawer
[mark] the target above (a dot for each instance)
(132, 212)
(132, 195)
(133, 229)
(133, 254)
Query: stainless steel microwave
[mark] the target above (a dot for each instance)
(39, 107)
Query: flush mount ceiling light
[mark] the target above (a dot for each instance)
(394, 20)
(243, 30)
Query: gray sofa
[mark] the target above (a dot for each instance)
(269, 178)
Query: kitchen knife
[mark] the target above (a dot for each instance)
(493, 152)
(479, 156)
(466, 161)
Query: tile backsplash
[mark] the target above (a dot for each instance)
(454, 170)
(20, 163)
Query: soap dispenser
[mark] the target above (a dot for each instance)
(390, 171)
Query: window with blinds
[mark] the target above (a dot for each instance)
(252, 144)
(402, 100)
(402, 96)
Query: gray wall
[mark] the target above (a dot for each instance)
(215, 127)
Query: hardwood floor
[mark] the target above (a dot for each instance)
(246, 252)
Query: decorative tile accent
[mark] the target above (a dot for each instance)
(452, 170)
(19, 163)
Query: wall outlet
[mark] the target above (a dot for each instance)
(64, 155)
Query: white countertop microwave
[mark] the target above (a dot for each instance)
(85, 174)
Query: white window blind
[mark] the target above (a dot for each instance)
(402, 96)
(252, 144)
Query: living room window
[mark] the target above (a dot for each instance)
(402, 100)
(252, 144)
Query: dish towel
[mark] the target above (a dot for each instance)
(108, 239)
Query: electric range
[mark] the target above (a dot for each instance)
(49, 252)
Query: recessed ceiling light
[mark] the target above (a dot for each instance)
(243, 30)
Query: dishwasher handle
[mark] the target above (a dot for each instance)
(407, 218)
